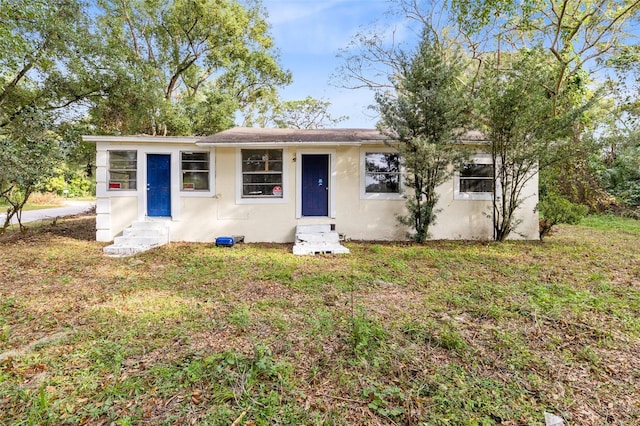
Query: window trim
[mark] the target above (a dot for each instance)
(262, 200)
(197, 192)
(364, 195)
(483, 159)
(109, 188)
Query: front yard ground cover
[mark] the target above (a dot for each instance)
(394, 333)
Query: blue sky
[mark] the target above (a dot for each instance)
(309, 35)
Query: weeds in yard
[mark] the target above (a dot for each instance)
(441, 333)
(385, 401)
(365, 333)
(240, 317)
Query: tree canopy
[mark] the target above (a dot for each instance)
(124, 66)
(49, 58)
(541, 115)
(308, 113)
(186, 67)
(425, 113)
(516, 114)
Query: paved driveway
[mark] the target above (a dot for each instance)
(71, 207)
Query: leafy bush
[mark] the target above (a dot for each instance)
(555, 209)
(619, 169)
(73, 180)
(622, 180)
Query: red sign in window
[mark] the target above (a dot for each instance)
(114, 185)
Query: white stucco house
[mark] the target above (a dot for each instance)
(263, 183)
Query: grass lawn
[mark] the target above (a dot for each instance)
(444, 333)
(38, 202)
(31, 206)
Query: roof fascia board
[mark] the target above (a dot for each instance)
(276, 143)
(140, 139)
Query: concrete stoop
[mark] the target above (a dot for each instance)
(317, 239)
(139, 237)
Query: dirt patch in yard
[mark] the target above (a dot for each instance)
(446, 332)
(80, 227)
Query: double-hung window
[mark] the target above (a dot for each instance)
(381, 175)
(476, 178)
(194, 167)
(262, 173)
(475, 181)
(123, 170)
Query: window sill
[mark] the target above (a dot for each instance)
(261, 200)
(382, 196)
(197, 194)
(473, 196)
(121, 192)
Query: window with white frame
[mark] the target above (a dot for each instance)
(194, 167)
(381, 173)
(262, 173)
(475, 180)
(123, 170)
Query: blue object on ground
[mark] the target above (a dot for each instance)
(225, 241)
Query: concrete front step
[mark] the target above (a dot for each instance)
(310, 229)
(149, 240)
(159, 227)
(317, 239)
(139, 237)
(141, 232)
(126, 251)
(304, 249)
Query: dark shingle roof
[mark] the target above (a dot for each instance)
(256, 135)
(239, 135)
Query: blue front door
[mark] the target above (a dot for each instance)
(158, 185)
(315, 185)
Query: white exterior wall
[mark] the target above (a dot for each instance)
(467, 219)
(461, 219)
(206, 219)
(360, 217)
(203, 216)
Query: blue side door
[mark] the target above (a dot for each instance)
(315, 185)
(158, 185)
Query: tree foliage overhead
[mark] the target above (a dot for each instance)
(582, 38)
(574, 31)
(308, 113)
(578, 42)
(425, 113)
(515, 113)
(186, 66)
(29, 152)
(50, 64)
(49, 59)
(137, 66)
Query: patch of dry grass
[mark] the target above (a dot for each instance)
(445, 333)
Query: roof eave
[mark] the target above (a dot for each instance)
(140, 139)
(288, 143)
